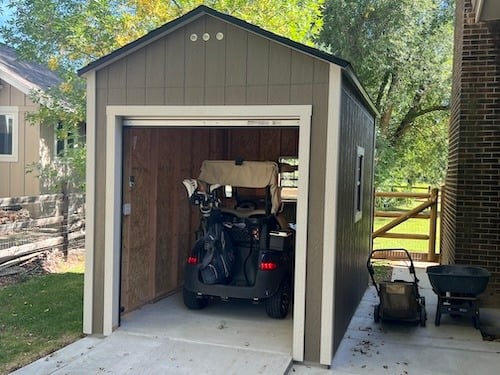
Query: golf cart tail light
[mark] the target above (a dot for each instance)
(192, 260)
(268, 266)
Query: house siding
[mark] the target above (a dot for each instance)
(353, 244)
(240, 69)
(14, 179)
(471, 209)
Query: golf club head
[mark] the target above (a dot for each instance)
(191, 185)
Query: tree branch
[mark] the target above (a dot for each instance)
(412, 115)
(381, 89)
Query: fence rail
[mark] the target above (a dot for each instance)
(430, 203)
(32, 224)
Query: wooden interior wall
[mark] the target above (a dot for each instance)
(138, 229)
(263, 144)
(160, 231)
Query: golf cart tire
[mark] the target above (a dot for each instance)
(278, 304)
(192, 301)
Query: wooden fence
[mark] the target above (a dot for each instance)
(427, 210)
(32, 224)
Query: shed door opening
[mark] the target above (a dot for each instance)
(158, 223)
(234, 123)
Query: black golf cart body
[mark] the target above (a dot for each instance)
(259, 243)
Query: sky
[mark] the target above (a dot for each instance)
(5, 14)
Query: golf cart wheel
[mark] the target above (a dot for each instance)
(278, 304)
(192, 301)
(376, 313)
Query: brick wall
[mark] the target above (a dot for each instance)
(471, 207)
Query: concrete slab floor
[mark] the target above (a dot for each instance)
(454, 347)
(238, 338)
(234, 337)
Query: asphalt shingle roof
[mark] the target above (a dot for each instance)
(32, 75)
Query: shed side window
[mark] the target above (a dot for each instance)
(8, 134)
(358, 193)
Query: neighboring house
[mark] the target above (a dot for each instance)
(22, 143)
(471, 207)
(211, 86)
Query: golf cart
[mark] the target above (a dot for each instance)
(244, 248)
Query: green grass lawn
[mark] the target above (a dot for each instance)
(413, 226)
(40, 315)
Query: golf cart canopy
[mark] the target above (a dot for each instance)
(248, 174)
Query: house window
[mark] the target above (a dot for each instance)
(67, 138)
(289, 176)
(358, 193)
(8, 134)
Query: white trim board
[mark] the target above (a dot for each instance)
(88, 287)
(330, 217)
(220, 116)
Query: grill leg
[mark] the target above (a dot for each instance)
(475, 318)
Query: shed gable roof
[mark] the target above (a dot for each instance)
(204, 10)
(23, 75)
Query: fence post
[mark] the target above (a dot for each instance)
(65, 221)
(431, 255)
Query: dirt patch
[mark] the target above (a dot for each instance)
(46, 262)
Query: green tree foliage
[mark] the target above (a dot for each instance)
(68, 34)
(402, 52)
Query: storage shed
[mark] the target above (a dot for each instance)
(211, 86)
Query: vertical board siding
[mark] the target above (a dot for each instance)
(14, 180)
(215, 55)
(353, 238)
(175, 59)
(257, 61)
(194, 71)
(154, 68)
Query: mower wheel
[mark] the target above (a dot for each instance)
(376, 313)
(423, 316)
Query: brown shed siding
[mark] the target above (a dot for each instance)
(353, 238)
(14, 179)
(471, 211)
(242, 68)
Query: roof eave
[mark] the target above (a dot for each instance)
(23, 85)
